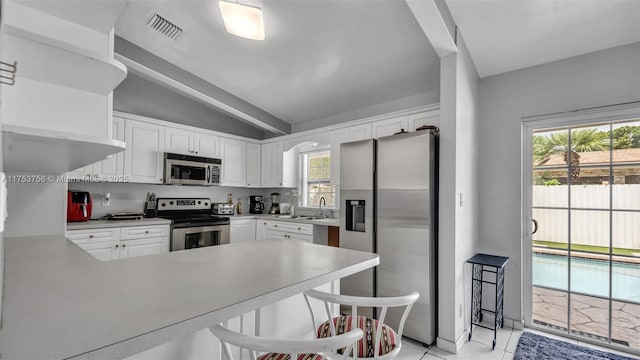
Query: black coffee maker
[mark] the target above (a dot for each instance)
(256, 206)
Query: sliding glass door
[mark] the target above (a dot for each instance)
(582, 197)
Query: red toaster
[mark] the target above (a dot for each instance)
(78, 206)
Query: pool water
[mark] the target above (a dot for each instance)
(588, 276)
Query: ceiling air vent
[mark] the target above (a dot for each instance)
(164, 26)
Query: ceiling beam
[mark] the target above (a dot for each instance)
(160, 71)
(436, 23)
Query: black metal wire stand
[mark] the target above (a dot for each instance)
(483, 264)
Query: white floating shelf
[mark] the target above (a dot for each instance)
(38, 151)
(42, 46)
(64, 66)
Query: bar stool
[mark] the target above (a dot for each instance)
(380, 341)
(285, 349)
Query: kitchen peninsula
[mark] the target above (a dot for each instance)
(60, 302)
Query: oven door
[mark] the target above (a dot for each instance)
(184, 172)
(184, 238)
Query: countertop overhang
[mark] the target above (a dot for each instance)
(60, 302)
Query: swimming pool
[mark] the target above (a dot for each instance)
(588, 276)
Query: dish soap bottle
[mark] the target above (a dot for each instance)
(230, 199)
(239, 207)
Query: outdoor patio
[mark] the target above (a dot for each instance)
(589, 316)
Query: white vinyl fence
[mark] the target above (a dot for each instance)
(588, 227)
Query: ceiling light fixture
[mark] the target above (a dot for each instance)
(242, 20)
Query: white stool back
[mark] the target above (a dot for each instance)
(325, 346)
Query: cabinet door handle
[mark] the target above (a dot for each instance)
(90, 236)
(117, 246)
(299, 229)
(275, 225)
(146, 232)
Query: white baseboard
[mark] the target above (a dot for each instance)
(452, 347)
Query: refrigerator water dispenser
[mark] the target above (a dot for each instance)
(355, 215)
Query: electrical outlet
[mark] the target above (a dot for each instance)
(106, 199)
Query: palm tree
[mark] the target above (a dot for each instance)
(582, 140)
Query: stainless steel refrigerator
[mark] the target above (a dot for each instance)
(388, 196)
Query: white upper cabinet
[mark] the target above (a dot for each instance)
(144, 157)
(272, 156)
(190, 142)
(425, 118)
(234, 160)
(341, 136)
(253, 165)
(207, 145)
(113, 165)
(360, 132)
(388, 127)
(110, 167)
(178, 141)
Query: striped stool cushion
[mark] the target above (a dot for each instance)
(368, 327)
(275, 356)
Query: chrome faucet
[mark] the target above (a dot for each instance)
(322, 200)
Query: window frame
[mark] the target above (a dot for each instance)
(303, 185)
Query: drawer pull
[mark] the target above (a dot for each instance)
(146, 232)
(90, 236)
(299, 228)
(275, 225)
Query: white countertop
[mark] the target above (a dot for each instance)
(96, 224)
(60, 302)
(321, 222)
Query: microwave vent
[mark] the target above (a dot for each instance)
(164, 26)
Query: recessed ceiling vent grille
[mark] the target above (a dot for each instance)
(164, 26)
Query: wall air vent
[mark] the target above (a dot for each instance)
(164, 26)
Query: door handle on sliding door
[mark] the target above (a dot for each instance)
(535, 226)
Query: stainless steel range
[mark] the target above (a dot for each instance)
(192, 225)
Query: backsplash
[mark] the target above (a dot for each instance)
(131, 197)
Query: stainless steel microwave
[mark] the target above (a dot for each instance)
(191, 170)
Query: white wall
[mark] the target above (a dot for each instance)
(602, 78)
(467, 105)
(458, 221)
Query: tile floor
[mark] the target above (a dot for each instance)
(480, 347)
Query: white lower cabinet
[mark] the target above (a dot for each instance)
(142, 247)
(242, 230)
(120, 243)
(289, 231)
(262, 230)
(103, 251)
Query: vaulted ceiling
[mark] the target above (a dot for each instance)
(319, 58)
